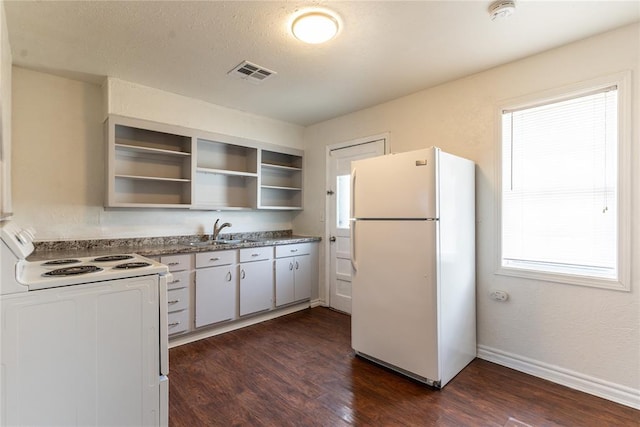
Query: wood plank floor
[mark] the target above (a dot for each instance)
(299, 370)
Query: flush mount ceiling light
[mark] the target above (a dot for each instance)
(502, 9)
(315, 27)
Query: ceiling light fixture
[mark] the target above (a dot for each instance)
(315, 27)
(502, 9)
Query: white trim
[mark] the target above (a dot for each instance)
(318, 303)
(623, 80)
(327, 248)
(607, 390)
(208, 332)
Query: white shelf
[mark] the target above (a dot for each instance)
(153, 178)
(280, 167)
(147, 150)
(276, 187)
(225, 172)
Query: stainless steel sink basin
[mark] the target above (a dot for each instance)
(204, 243)
(235, 241)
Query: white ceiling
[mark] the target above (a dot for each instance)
(386, 49)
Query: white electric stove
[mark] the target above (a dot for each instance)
(84, 340)
(36, 275)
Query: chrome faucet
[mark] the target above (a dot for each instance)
(217, 230)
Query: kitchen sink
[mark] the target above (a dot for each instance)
(204, 243)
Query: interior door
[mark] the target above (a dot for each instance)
(339, 173)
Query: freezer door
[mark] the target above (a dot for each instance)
(394, 300)
(395, 186)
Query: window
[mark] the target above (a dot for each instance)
(562, 213)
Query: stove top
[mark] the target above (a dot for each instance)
(67, 271)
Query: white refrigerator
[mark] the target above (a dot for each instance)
(413, 263)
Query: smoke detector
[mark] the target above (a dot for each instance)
(251, 72)
(502, 9)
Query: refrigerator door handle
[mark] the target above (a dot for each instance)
(352, 241)
(353, 193)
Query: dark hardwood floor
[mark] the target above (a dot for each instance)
(299, 370)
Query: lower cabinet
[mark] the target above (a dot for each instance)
(256, 280)
(179, 293)
(293, 273)
(210, 288)
(216, 287)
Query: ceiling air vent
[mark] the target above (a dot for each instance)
(251, 72)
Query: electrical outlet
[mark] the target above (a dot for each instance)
(499, 296)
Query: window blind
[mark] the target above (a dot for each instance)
(559, 185)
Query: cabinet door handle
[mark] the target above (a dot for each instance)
(173, 263)
(175, 301)
(255, 254)
(173, 282)
(173, 324)
(294, 250)
(228, 276)
(214, 259)
(290, 266)
(297, 265)
(242, 274)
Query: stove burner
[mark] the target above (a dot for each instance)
(129, 265)
(61, 262)
(113, 258)
(72, 271)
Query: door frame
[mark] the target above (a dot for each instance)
(327, 185)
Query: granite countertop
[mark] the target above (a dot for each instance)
(156, 246)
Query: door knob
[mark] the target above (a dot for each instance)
(332, 238)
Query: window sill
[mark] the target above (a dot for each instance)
(567, 279)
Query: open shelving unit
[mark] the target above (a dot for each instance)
(147, 167)
(280, 181)
(155, 165)
(226, 176)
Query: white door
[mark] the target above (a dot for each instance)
(339, 189)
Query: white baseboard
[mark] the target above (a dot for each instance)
(232, 326)
(318, 303)
(607, 390)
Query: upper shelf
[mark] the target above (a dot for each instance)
(149, 150)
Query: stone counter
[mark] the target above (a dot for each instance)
(155, 246)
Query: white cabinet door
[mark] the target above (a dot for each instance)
(293, 279)
(284, 281)
(302, 277)
(256, 286)
(215, 294)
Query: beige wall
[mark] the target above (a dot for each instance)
(58, 153)
(544, 327)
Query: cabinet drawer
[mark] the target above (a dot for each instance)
(178, 299)
(293, 250)
(177, 262)
(178, 322)
(212, 259)
(180, 280)
(256, 254)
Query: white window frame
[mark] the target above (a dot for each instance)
(623, 82)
